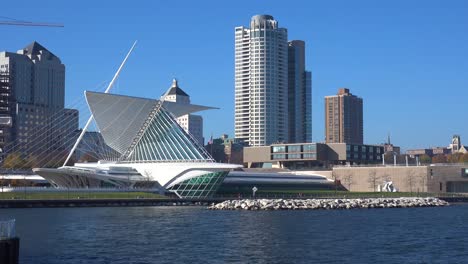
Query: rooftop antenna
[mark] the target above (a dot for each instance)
(91, 117)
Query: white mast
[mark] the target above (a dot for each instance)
(91, 117)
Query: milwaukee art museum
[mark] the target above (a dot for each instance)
(153, 151)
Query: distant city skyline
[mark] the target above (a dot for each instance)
(407, 60)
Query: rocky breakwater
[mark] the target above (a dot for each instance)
(315, 204)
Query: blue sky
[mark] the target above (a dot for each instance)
(408, 60)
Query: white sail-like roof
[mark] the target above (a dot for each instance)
(119, 117)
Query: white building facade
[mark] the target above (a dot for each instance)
(261, 82)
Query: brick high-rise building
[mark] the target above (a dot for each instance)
(344, 118)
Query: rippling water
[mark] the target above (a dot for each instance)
(196, 235)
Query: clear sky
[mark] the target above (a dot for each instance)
(408, 60)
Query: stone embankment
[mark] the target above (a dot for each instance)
(315, 204)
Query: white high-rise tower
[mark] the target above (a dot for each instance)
(261, 82)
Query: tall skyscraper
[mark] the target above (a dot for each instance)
(299, 94)
(192, 124)
(261, 82)
(343, 118)
(33, 119)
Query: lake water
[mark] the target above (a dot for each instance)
(196, 235)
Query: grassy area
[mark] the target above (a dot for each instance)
(333, 194)
(78, 195)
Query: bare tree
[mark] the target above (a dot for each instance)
(333, 175)
(422, 181)
(386, 177)
(335, 180)
(410, 180)
(373, 179)
(348, 180)
(148, 175)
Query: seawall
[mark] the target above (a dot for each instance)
(327, 204)
(106, 202)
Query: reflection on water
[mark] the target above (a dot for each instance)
(197, 235)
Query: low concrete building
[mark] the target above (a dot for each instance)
(311, 155)
(432, 178)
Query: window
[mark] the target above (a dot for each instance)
(294, 148)
(278, 156)
(309, 148)
(279, 149)
(309, 156)
(294, 156)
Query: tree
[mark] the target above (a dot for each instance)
(348, 180)
(439, 159)
(388, 157)
(422, 180)
(372, 179)
(148, 175)
(216, 149)
(425, 159)
(386, 177)
(454, 158)
(410, 179)
(14, 161)
(401, 159)
(32, 161)
(88, 157)
(464, 158)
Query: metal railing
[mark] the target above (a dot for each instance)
(7, 229)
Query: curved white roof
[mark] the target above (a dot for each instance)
(119, 117)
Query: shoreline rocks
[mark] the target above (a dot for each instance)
(327, 204)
